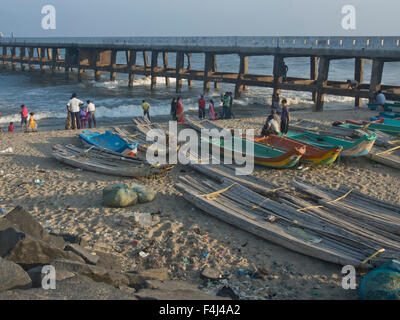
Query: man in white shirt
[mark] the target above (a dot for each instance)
(90, 109)
(74, 104)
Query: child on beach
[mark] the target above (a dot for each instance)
(179, 111)
(83, 117)
(11, 127)
(32, 123)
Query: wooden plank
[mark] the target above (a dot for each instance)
(323, 72)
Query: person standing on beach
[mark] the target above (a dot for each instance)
(75, 105)
(173, 109)
(211, 110)
(285, 118)
(92, 117)
(24, 118)
(179, 110)
(32, 123)
(380, 99)
(146, 109)
(230, 94)
(275, 102)
(202, 107)
(225, 106)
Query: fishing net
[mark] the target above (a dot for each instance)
(382, 283)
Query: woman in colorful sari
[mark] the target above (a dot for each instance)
(179, 110)
(211, 111)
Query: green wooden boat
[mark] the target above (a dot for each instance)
(263, 155)
(389, 129)
(351, 148)
(389, 115)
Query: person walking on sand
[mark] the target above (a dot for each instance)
(173, 109)
(146, 109)
(179, 111)
(75, 105)
(211, 110)
(285, 118)
(24, 118)
(202, 107)
(91, 108)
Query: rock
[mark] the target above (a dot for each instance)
(76, 288)
(36, 276)
(30, 252)
(211, 273)
(27, 224)
(9, 238)
(135, 280)
(56, 241)
(156, 274)
(226, 291)
(119, 195)
(109, 261)
(12, 276)
(95, 273)
(174, 290)
(83, 253)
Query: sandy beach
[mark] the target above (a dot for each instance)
(181, 238)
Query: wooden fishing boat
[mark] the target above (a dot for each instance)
(386, 107)
(263, 155)
(391, 122)
(394, 130)
(314, 155)
(106, 162)
(351, 148)
(108, 141)
(390, 115)
(337, 230)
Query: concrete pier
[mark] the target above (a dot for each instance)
(100, 55)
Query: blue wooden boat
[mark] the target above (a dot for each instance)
(108, 141)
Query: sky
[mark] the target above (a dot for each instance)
(76, 18)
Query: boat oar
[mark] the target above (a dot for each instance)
(387, 151)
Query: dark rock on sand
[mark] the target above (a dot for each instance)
(12, 276)
(36, 276)
(83, 253)
(9, 238)
(75, 288)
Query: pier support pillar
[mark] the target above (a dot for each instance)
(180, 59)
(113, 65)
(22, 55)
(4, 55)
(322, 80)
(131, 57)
(243, 69)
(314, 74)
(59, 58)
(376, 78)
(207, 71)
(13, 56)
(30, 53)
(154, 64)
(189, 67)
(358, 76)
(215, 69)
(277, 74)
(165, 62)
(41, 55)
(146, 59)
(54, 56)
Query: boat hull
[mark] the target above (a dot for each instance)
(394, 130)
(358, 148)
(108, 141)
(280, 159)
(312, 155)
